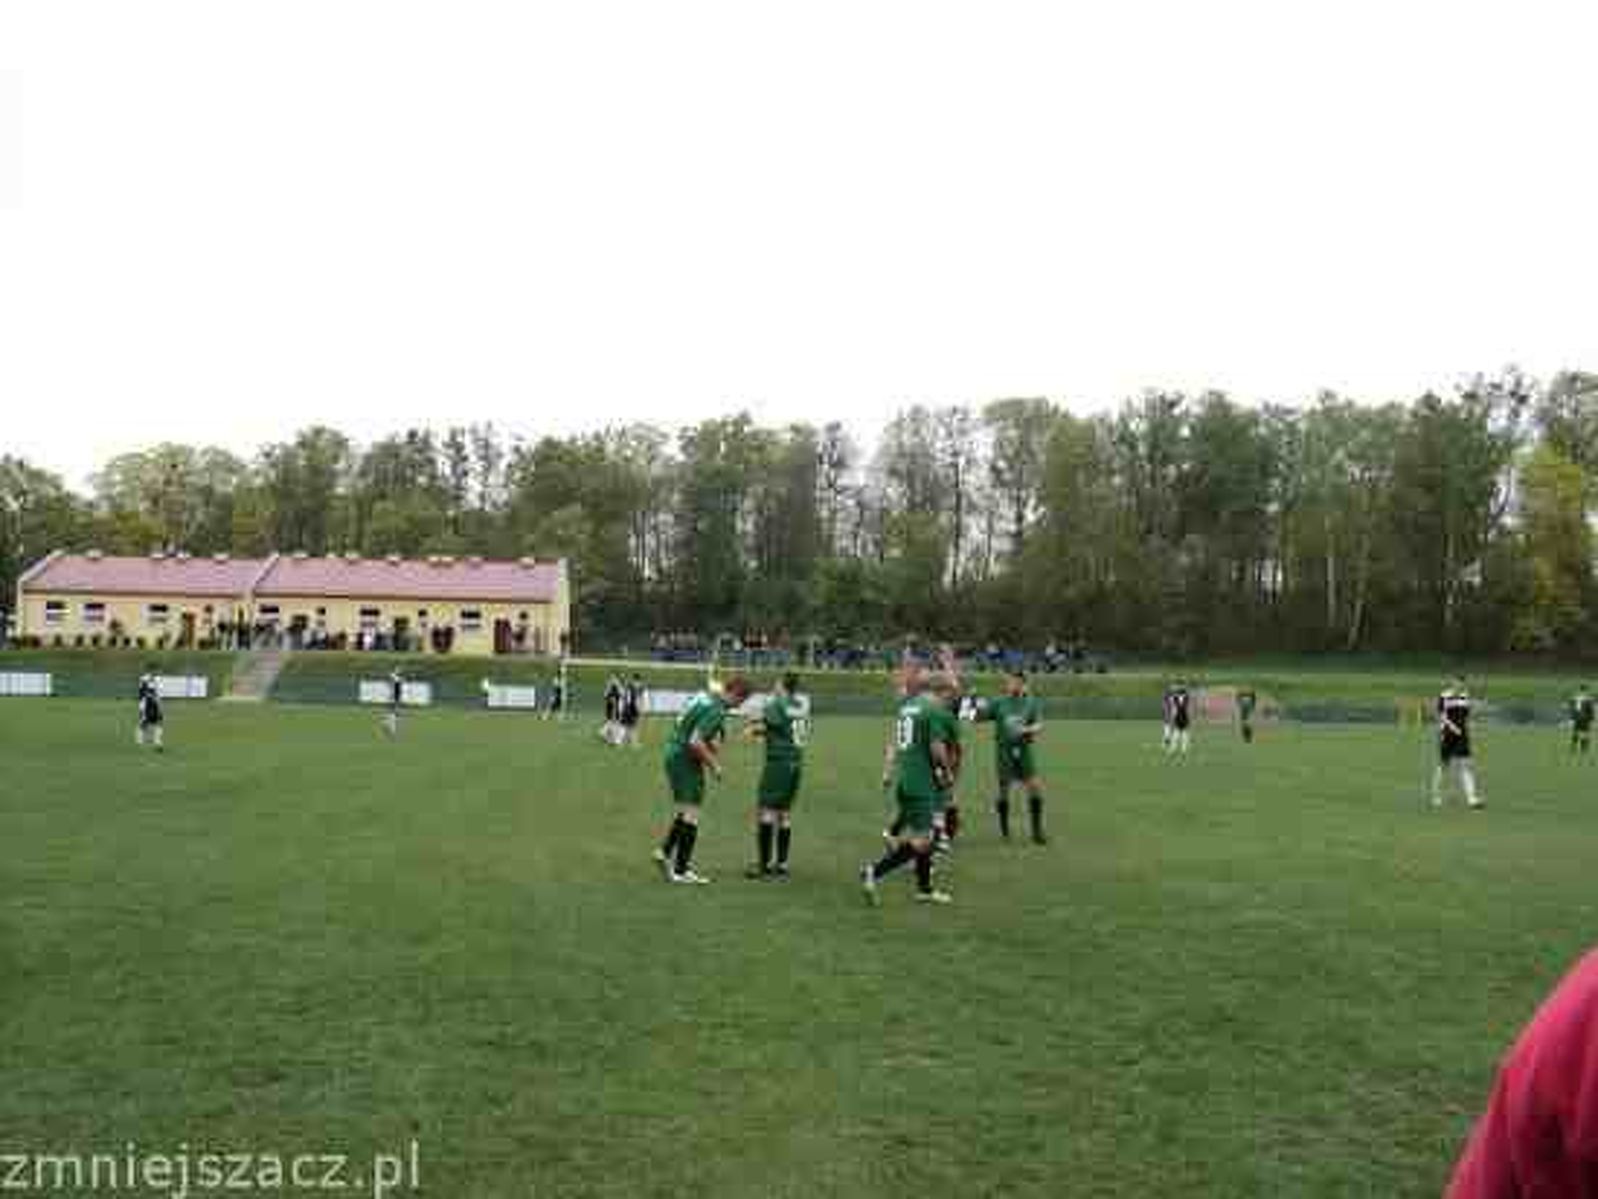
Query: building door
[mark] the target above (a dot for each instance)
(502, 636)
(402, 632)
(186, 631)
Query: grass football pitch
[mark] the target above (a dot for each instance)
(1267, 971)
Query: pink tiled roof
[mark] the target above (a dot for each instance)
(377, 578)
(90, 574)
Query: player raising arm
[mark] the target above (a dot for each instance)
(1453, 744)
(1017, 720)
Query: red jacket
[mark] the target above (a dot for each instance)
(1538, 1138)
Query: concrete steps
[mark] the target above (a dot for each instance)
(254, 674)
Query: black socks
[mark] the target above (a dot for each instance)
(1035, 810)
(893, 859)
(686, 836)
(784, 843)
(763, 845)
(1002, 807)
(670, 843)
(924, 872)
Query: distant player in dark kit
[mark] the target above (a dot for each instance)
(1246, 702)
(396, 696)
(1453, 744)
(632, 709)
(152, 721)
(784, 725)
(1582, 710)
(1178, 719)
(1017, 720)
(918, 767)
(691, 753)
(555, 708)
(610, 731)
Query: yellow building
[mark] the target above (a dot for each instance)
(441, 604)
(444, 604)
(175, 599)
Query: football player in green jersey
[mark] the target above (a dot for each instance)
(946, 812)
(1017, 720)
(918, 768)
(784, 725)
(946, 816)
(690, 753)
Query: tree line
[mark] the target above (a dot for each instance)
(1176, 523)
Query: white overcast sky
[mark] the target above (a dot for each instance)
(222, 221)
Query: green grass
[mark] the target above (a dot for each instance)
(1267, 972)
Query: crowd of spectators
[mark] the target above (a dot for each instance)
(758, 651)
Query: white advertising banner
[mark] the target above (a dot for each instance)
(412, 695)
(182, 686)
(500, 695)
(26, 683)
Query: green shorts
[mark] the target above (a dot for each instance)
(687, 780)
(1017, 764)
(779, 784)
(916, 811)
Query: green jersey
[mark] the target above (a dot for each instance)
(1011, 716)
(786, 728)
(949, 729)
(917, 729)
(702, 719)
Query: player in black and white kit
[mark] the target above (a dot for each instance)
(1178, 719)
(1453, 744)
(151, 720)
(1582, 711)
(556, 710)
(611, 731)
(396, 695)
(632, 710)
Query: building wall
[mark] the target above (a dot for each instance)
(336, 615)
(131, 611)
(547, 623)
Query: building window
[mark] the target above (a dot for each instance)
(471, 620)
(370, 617)
(268, 613)
(93, 612)
(55, 611)
(156, 614)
